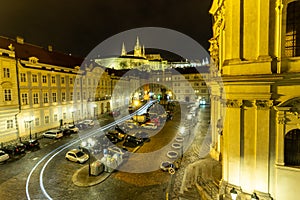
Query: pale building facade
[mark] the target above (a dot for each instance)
(255, 111)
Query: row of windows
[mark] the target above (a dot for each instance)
(203, 91)
(23, 78)
(54, 97)
(187, 84)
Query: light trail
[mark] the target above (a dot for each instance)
(65, 146)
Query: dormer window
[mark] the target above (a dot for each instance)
(33, 60)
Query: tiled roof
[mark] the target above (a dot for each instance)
(25, 50)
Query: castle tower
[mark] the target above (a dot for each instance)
(123, 52)
(137, 48)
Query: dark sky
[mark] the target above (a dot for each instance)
(77, 26)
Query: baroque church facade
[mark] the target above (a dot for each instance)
(255, 110)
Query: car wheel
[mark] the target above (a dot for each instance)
(67, 159)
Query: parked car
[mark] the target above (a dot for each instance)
(130, 124)
(3, 156)
(132, 141)
(149, 125)
(88, 123)
(31, 145)
(14, 150)
(72, 128)
(121, 151)
(76, 155)
(143, 135)
(54, 134)
(115, 136)
(82, 126)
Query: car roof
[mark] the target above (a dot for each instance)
(74, 151)
(54, 130)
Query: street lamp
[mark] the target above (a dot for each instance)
(86, 145)
(233, 194)
(29, 122)
(254, 196)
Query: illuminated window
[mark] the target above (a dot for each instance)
(54, 97)
(23, 77)
(292, 42)
(24, 97)
(45, 97)
(71, 80)
(44, 79)
(35, 98)
(34, 78)
(6, 73)
(47, 120)
(37, 121)
(62, 80)
(292, 148)
(9, 124)
(7, 95)
(53, 79)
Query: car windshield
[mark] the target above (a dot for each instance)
(79, 154)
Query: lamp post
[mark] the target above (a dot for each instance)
(29, 123)
(233, 194)
(254, 196)
(86, 145)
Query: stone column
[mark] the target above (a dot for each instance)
(280, 132)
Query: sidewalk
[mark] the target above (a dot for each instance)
(81, 177)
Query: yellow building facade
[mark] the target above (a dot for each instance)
(255, 47)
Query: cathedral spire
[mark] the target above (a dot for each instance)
(137, 41)
(123, 53)
(137, 48)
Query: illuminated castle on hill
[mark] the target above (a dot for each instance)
(142, 61)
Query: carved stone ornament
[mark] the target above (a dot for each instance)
(264, 104)
(234, 103)
(281, 120)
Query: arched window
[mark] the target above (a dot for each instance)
(292, 148)
(292, 42)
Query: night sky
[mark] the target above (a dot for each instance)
(77, 26)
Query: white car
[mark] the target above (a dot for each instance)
(149, 125)
(89, 122)
(54, 134)
(3, 156)
(76, 155)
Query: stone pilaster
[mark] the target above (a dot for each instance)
(231, 137)
(262, 146)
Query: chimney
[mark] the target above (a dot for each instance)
(20, 40)
(50, 48)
